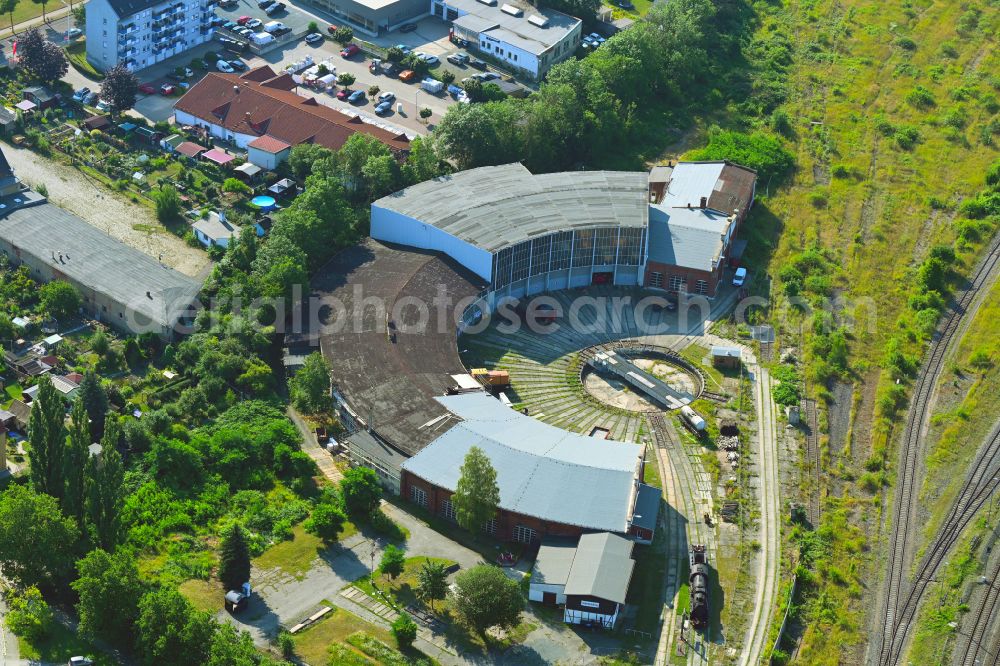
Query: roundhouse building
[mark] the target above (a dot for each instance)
(522, 233)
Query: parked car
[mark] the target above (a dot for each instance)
(81, 94)
(147, 89)
(102, 105)
(264, 4)
(345, 93)
(356, 97)
(407, 75)
(80, 661)
(409, 27)
(243, 19)
(254, 24)
(217, 21)
(224, 66)
(73, 33)
(168, 89)
(229, 4)
(428, 58)
(229, 25)
(313, 38)
(404, 48)
(238, 65)
(485, 76)
(387, 97)
(458, 58)
(390, 68)
(383, 108)
(350, 50)
(90, 99)
(234, 46)
(477, 63)
(275, 8)
(332, 28)
(740, 277)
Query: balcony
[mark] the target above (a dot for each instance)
(126, 41)
(128, 29)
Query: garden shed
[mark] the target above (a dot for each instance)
(188, 149)
(97, 123)
(8, 121)
(41, 96)
(216, 156)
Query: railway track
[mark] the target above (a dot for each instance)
(979, 486)
(972, 650)
(813, 508)
(883, 649)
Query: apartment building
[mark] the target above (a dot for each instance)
(141, 33)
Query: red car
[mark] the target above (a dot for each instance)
(349, 50)
(344, 94)
(147, 88)
(167, 89)
(332, 29)
(243, 20)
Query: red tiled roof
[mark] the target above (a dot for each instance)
(269, 144)
(249, 104)
(189, 149)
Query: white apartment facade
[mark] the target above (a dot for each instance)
(141, 33)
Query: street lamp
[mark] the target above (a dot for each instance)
(372, 552)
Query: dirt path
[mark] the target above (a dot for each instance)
(109, 212)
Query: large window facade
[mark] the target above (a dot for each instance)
(604, 246)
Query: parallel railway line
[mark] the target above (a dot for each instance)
(892, 627)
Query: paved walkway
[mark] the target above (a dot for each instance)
(320, 456)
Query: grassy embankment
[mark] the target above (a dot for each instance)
(889, 111)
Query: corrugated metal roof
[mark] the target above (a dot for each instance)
(99, 262)
(691, 238)
(690, 181)
(647, 507)
(602, 567)
(542, 471)
(495, 207)
(516, 30)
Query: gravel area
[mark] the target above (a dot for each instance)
(132, 224)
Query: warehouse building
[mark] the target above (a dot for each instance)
(672, 229)
(524, 37)
(374, 17)
(120, 285)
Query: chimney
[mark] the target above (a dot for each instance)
(704, 202)
(236, 89)
(689, 205)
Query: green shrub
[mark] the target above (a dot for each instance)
(906, 44)
(758, 151)
(920, 97)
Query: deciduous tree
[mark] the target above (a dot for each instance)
(60, 299)
(95, 401)
(36, 539)
(42, 59)
(119, 88)
(170, 631)
(432, 582)
(392, 562)
(105, 477)
(361, 491)
(404, 630)
(47, 438)
(109, 588)
(310, 387)
(486, 597)
(477, 494)
(326, 521)
(74, 462)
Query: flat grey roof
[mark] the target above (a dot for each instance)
(542, 471)
(647, 507)
(495, 207)
(515, 30)
(688, 237)
(97, 261)
(602, 567)
(216, 228)
(553, 562)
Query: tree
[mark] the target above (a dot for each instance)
(7, 329)
(74, 462)
(392, 562)
(423, 162)
(758, 151)
(477, 494)
(310, 386)
(234, 558)
(119, 88)
(29, 616)
(432, 582)
(346, 78)
(426, 113)
(7, 7)
(170, 631)
(60, 299)
(109, 588)
(361, 491)
(36, 539)
(99, 343)
(95, 401)
(486, 598)
(343, 34)
(326, 521)
(404, 629)
(168, 204)
(47, 439)
(447, 77)
(42, 3)
(42, 59)
(105, 493)
(381, 176)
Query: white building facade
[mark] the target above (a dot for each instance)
(141, 34)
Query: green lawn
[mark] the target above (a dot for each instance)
(296, 555)
(77, 54)
(312, 644)
(204, 595)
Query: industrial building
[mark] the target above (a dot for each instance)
(392, 368)
(374, 17)
(120, 285)
(526, 38)
(672, 229)
(140, 33)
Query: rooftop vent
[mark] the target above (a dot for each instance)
(512, 10)
(539, 21)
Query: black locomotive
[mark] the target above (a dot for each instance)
(698, 580)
